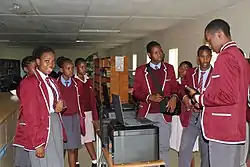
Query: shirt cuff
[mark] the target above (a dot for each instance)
(197, 98)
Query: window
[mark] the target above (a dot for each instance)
(148, 59)
(134, 65)
(173, 59)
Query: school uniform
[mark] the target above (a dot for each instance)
(224, 107)
(42, 126)
(191, 121)
(143, 88)
(72, 114)
(87, 98)
(177, 127)
(21, 156)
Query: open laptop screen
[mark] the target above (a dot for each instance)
(118, 108)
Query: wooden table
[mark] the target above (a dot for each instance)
(103, 152)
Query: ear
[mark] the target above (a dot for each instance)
(38, 62)
(149, 55)
(61, 70)
(197, 60)
(25, 69)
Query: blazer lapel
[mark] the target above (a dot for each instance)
(195, 78)
(43, 89)
(147, 80)
(165, 76)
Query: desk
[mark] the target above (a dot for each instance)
(103, 152)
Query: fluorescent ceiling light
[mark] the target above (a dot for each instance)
(4, 41)
(82, 41)
(99, 31)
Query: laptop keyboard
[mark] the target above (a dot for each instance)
(132, 122)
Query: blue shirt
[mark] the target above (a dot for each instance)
(65, 81)
(155, 65)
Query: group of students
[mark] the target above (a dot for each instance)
(213, 101)
(56, 113)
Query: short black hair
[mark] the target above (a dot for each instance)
(59, 61)
(188, 63)
(64, 61)
(152, 44)
(218, 24)
(40, 50)
(204, 48)
(79, 60)
(27, 60)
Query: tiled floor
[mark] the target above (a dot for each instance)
(85, 160)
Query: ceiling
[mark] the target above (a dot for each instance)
(103, 23)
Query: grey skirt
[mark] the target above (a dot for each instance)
(72, 128)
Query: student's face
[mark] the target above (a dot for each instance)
(182, 70)
(67, 69)
(46, 63)
(156, 54)
(81, 68)
(30, 69)
(204, 59)
(214, 40)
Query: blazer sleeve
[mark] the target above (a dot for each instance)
(31, 113)
(187, 80)
(224, 83)
(138, 92)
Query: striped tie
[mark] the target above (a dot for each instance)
(53, 92)
(201, 82)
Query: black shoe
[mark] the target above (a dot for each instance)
(94, 165)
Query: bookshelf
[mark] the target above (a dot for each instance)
(9, 69)
(115, 77)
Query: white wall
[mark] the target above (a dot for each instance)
(188, 36)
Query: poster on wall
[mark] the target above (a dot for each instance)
(119, 63)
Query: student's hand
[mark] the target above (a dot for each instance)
(191, 91)
(187, 103)
(156, 98)
(172, 104)
(196, 107)
(40, 152)
(59, 106)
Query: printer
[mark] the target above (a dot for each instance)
(133, 144)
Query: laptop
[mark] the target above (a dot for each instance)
(128, 121)
(107, 103)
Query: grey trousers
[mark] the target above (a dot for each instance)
(188, 138)
(54, 151)
(164, 136)
(244, 149)
(224, 155)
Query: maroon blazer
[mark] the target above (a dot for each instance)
(34, 119)
(79, 105)
(224, 100)
(143, 84)
(191, 79)
(89, 82)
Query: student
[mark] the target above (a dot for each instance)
(177, 127)
(191, 120)
(41, 106)
(21, 157)
(225, 98)
(72, 114)
(87, 97)
(152, 104)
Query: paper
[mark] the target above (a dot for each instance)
(119, 63)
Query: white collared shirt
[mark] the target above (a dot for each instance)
(51, 97)
(155, 65)
(204, 76)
